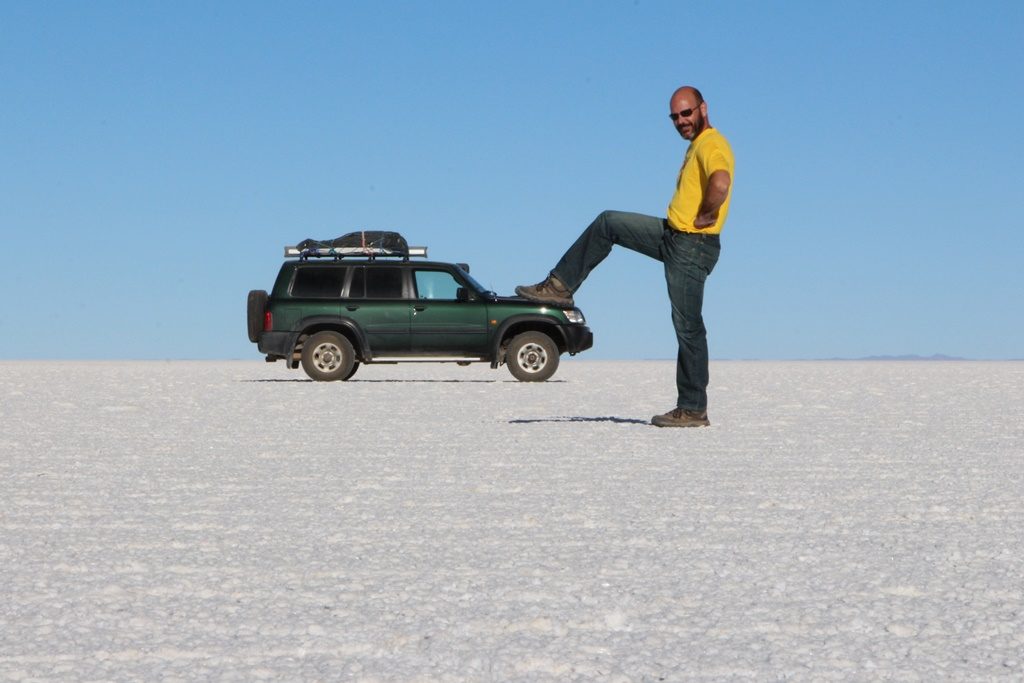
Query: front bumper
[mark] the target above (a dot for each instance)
(578, 338)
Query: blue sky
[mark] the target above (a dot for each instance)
(155, 157)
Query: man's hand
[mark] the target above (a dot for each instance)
(705, 220)
(714, 197)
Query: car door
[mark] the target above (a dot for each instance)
(442, 324)
(377, 303)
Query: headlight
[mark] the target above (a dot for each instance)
(574, 315)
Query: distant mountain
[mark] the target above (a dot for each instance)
(911, 356)
(904, 357)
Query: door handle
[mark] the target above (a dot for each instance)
(352, 307)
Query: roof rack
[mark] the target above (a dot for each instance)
(366, 244)
(342, 252)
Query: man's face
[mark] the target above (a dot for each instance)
(688, 126)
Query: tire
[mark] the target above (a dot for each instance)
(532, 357)
(328, 356)
(255, 307)
(355, 366)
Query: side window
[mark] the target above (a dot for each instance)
(357, 289)
(436, 284)
(318, 283)
(383, 283)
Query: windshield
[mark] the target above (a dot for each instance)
(476, 285)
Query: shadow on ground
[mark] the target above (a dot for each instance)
(616, 420)
(413, 381)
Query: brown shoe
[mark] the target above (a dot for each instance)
(550, 291)
(682, 418)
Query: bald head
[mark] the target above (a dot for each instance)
(689, 90)
(688, 111)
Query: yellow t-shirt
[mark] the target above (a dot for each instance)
(710, 152)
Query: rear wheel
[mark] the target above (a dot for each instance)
(328, 356)
(532, 357)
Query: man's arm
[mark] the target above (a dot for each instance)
(714, 197)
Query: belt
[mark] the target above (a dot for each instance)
(711, 237)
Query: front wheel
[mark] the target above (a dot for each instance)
(355, 366)
(328, 356)
(532, 357)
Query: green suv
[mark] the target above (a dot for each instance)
(361, 299)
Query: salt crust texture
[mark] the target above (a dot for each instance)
(232, 521)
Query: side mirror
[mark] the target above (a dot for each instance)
(462, 294)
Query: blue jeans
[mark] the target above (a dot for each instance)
(688, 259)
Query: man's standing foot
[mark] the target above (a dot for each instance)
(549, 291)
(680, 417)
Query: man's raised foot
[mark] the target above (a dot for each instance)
(549, 291)
(680, 417)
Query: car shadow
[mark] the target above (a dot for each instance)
(411, 381)
(615, 420)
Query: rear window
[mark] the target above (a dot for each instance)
(318, 283)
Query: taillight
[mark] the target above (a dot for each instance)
(268, 321)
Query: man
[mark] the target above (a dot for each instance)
(686, 242)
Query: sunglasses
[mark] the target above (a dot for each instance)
(684, 113)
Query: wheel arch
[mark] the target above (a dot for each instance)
(346, 327)
(526, 323)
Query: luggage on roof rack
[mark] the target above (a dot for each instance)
(368, 243)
